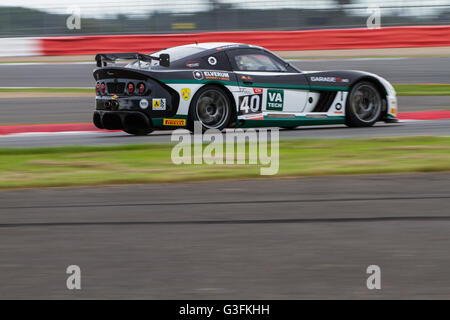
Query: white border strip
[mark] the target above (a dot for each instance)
(20, 47)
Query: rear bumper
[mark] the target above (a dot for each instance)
(118, 120)
(151, 107)
(123, 120)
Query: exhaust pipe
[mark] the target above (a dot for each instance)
(107, 104)
(111, 121)
(97, 119)
(114, 105)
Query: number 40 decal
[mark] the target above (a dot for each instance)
(250, 104)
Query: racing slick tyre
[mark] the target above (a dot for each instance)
(364, 105)
(212, 107)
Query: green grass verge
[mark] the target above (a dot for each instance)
(402, 90)
(72, 166)
(422, 89)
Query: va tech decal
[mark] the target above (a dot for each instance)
(275, 99)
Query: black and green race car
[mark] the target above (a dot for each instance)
(230, 85)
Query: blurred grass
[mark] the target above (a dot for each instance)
(422, 89)
(401, 89)
(71, 166)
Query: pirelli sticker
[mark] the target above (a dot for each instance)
(174, 122)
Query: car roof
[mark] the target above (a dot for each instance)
(215, 45)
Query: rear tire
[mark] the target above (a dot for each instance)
(138, 132)
(211, 106)
(364, 105)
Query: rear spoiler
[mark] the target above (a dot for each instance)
(103, 58)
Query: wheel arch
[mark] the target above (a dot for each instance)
(380, 87)
(228, 93)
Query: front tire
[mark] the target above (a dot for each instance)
(212, 107)
(364, 105)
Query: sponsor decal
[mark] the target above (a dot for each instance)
(338, 106)
(193, 64)
(246, 78)
(114, 97)
(198, 75)
(174, 122)
(275, 99)
(258, 90)
(159, 104)
(328, 79)
(341, 80)
(339, 112)
(212, 61)
(211, 75)
(215, 75)
(186, 93)
(250, 104)
(143, 103)
(393, 111)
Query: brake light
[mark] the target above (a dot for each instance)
(103, 87)
(141, 88)
(130, 88)
(97, 88)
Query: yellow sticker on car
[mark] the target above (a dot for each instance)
(186, 93)
(159, 104)
(174, 122)
(393, 111)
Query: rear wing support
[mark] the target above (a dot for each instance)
(102, 59)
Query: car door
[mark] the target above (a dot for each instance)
(267, 83)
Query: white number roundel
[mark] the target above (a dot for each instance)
(212, 61)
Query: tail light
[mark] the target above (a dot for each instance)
(103, 88)
(130, 88)
(97, 88)
(141, 88)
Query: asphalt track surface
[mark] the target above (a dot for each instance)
(299, 238)
(403, 128)
(261, 239)
(80, 109)
(396, 70)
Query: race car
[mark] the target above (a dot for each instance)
(231, 85)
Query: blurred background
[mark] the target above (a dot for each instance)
(311, 237)
(47, 17)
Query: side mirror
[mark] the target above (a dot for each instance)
(164, 60)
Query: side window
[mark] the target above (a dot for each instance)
(212, 61)
(217, 61)
(257, 62)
